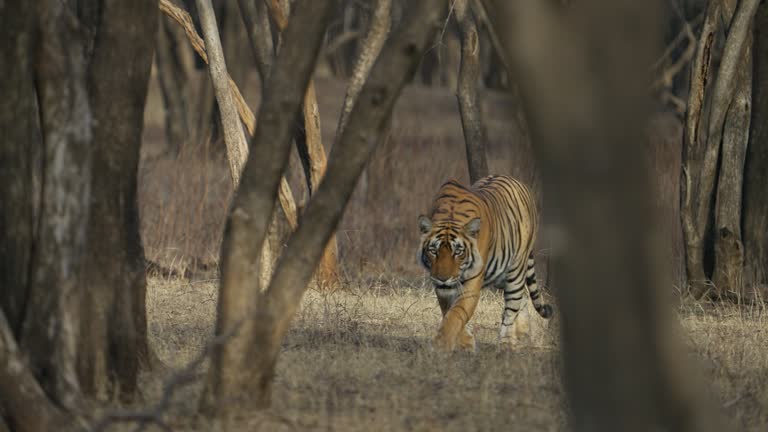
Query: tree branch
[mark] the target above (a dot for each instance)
(231, 384)
(24, 405)
(369, 52)
(256, 22)
(287, 202)
(237, 149)
(395, 66)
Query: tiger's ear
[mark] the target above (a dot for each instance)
(425, 225)
(472, 227)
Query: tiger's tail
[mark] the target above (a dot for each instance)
(542, 308)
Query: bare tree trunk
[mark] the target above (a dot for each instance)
(633, 377)
(246, 115)
(287, 201)
(114, 345)
(49, 334)
(381, 23)
(729, 249)
(755, 203)
(41, 242)
(372, 45)
(701, 174)
(274, 311)
(232, 382)
(694, 151)
(237, 149)
(309, 145)
(469, 104)
(312, 153)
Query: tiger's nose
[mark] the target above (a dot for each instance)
(437, 280)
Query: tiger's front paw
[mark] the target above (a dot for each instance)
(443, 343)
(467, 343)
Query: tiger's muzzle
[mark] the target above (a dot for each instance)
(449, 283)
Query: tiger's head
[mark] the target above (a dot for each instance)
(449, 251)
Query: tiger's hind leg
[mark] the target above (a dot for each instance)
(514, 318)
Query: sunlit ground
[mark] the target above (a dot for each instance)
(359, 359)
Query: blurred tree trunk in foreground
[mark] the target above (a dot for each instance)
(585, 87)
(76, 306)
(243, 368)
(52, 189)
(114, 343)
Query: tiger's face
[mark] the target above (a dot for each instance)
(449, 251)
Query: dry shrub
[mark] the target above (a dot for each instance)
(183, 201)
(183, 204)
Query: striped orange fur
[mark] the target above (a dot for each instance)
(478, 236)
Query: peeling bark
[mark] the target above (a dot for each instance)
(312, 154)
(727, 275)
(694, 149)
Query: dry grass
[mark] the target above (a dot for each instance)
(359, 359)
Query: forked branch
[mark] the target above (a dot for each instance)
(182, 17)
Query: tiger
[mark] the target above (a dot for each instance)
(477, 237)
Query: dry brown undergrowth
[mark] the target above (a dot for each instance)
(359, 359)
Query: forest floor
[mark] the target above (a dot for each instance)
(359, 358)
